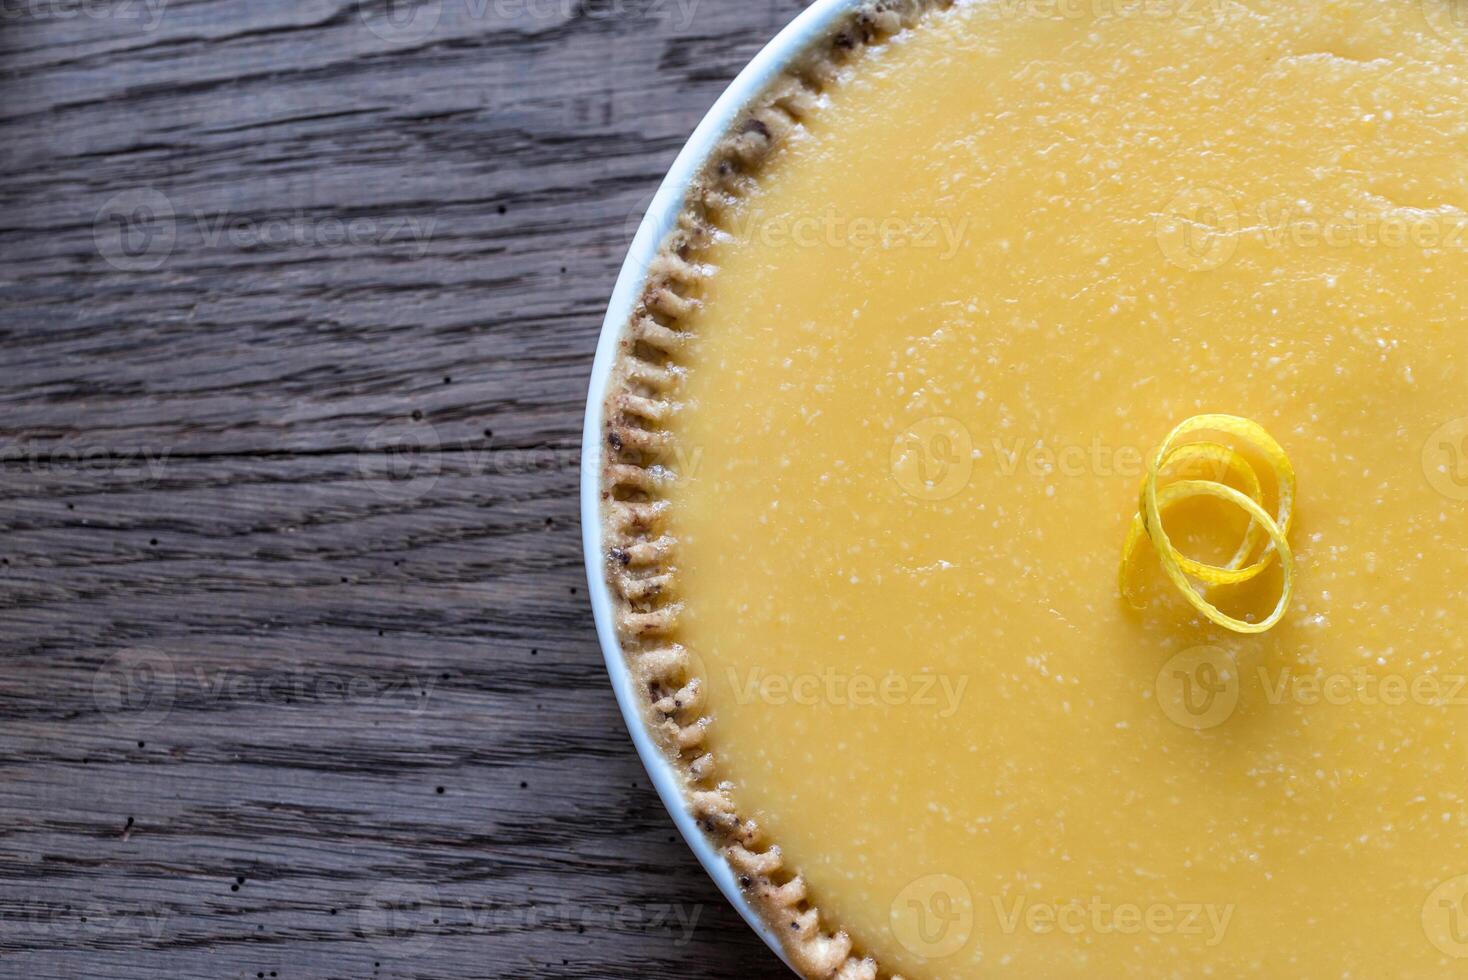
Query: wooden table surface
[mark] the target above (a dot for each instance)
(300, 300)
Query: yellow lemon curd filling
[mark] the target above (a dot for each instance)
(946, 337)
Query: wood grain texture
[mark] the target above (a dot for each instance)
(299, 303)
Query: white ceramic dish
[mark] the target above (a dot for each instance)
(813, 24)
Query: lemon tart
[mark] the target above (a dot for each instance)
(976, 304)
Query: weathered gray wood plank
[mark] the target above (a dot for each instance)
(290, 575)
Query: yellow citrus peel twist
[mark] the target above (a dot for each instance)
(1267, 535)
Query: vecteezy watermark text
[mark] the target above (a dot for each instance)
(300, 230)
(935, 458)
(1202, 228)
(38, 456)
(1202, 687)
(140, 229)
(137, 689)
(403, 459)
(88, 921)
(407, 919)
(1363, 687)
(941, 692)
(1095, 916)
(942, 235)
(412, 21)
(1190, 11)
(148, 14)
(934, 917)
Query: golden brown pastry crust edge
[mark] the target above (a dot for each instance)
(639, 459)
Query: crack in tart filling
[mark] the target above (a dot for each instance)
(874, 445)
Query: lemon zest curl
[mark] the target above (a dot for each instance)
(1267, 535)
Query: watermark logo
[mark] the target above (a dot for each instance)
(299, 230)
(139, 230)
(939, 692)
(1445, 459)
(404, 459)
(135, 230)
(694, 668)
(135, 689)
(636, 217)
(835, 229)
(1199, 229)
(1095, 916)
(679, 13)
(91, 922)
(478, 918)
(1041, 459)
(400, 919)
(1187, 11)
(295, 686)
(933, 459)
(401, 459)
(146, 13)
(1199, 688)
(1445, 917)
(141, 464)
(933, 917)
(1447, 18)
(1362, 687)
(411, 21)
(1289, 226)
(941, 235)
(401, 21)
